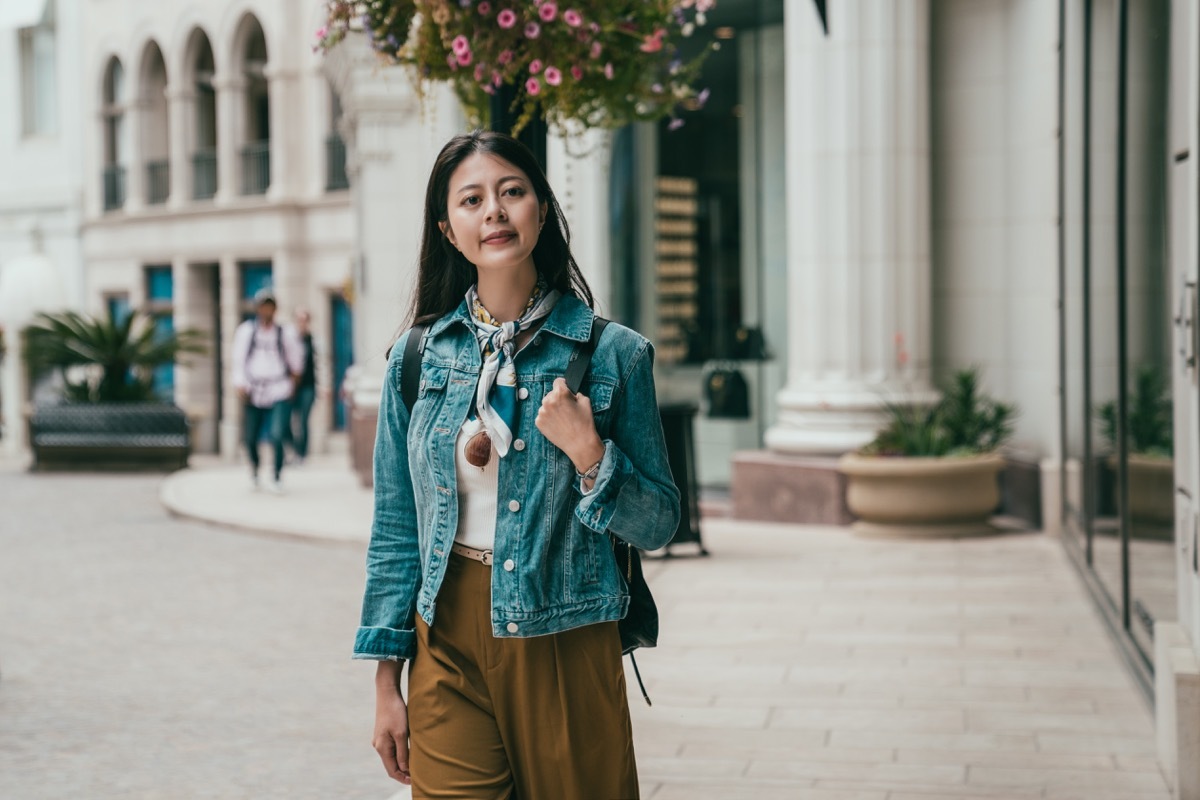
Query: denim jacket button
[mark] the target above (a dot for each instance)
(514, 506)
(522, 393)
(512, 627)
(519, 445)
(510, 565)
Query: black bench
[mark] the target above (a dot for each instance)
(110, 435)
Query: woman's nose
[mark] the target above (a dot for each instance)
(495, 210)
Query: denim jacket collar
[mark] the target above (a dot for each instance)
(570, 319)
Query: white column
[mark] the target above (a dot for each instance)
(283, 100)
(578, 171)
(231, 301)
(135, 161)
(858, 195)
(180, 104)
(231, 93)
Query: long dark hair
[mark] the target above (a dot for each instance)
(444, 274)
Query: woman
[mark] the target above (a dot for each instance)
(490, 571)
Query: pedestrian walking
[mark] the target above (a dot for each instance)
(490, 570)
(306, 388)
(267, 360)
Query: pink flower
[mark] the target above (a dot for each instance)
(535, 66)
(506, 18)
(532, 86)
(485, 8)
(497, 79)
(608, 70)
(460, 45)
(597, 49)
(532, 29)
(487, 88)
(553, 76)
(322, 32)
(464, 59)
(653, 43)
(548, 11)
(572, 18)
(577, 72)
(452, 60)
(594, 27)
(480, 71)
(505, 56)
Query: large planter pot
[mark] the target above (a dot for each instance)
(1152, 496)
(898, 496)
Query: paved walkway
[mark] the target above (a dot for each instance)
(795, 662)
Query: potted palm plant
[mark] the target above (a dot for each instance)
(932, 471)
(109, 414)
(1151, 452)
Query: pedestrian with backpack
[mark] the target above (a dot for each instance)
(267, 360)
(499, 496)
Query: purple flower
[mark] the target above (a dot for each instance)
(553, 76)
(572, 18)
(532, 29)
(460, 45)
(533, 86)
(656, 88)
(548, 11)
(675, 124)
(702, 98)
(506, 18)
(535, 66)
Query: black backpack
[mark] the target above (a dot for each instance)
(639, 627)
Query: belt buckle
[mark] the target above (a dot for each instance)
(487, 557)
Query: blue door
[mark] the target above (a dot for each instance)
(342, 336)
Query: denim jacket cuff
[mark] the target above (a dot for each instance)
(384, 644)
(597, 507)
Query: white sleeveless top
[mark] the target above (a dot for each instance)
(477, 488)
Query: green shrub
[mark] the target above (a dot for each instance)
(1150, 420)
(964, 422)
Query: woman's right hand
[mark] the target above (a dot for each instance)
(391, 722)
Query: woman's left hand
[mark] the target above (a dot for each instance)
(566, 420)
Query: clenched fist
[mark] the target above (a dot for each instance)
(566, 420)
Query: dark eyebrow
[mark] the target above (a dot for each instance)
(473, 186)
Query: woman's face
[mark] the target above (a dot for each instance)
(492, 213)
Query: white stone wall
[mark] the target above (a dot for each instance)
(995, 180)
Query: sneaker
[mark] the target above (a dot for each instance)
(276, 487)
(254, 485)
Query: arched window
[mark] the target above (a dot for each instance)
(256, 142)
(115, 153)
(155, 125)
(204, 118)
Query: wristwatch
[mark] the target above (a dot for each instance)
(591, 472)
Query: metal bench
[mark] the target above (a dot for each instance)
(116, 435)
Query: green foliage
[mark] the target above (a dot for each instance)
(964, 422)
(1150, 422)
(118, 357)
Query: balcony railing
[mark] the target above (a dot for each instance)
(204, 174)
(114, 187)
(335, 164)
(158, 182)
(256, 168)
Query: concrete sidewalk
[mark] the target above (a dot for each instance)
(803, 662)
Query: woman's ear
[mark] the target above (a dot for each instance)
(448, 232)
(542, 209)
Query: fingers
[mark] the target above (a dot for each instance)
(394, 754)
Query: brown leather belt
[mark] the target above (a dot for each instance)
(483, 556)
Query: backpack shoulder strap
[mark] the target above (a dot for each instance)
(410, 379)
(577, 369)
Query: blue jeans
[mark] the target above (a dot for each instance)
(271, 422)
(302, 403)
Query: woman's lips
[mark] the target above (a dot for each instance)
(500, 238)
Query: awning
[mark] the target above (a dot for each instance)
(24, 13)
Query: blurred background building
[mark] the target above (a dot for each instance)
(931, 184)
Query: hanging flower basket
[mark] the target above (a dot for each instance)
(590, 63)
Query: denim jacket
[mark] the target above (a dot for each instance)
(553, 563)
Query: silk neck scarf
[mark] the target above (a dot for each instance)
(496, 394)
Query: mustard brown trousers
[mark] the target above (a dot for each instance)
(543, 718)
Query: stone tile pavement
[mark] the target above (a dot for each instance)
(795, 661)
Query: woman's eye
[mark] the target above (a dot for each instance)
(515, 191)
(470, 201)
